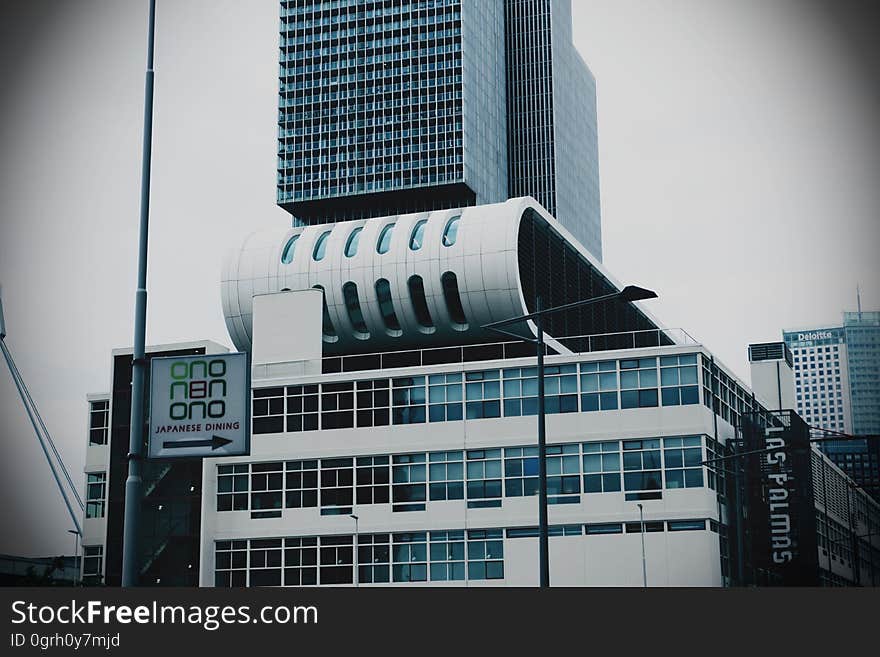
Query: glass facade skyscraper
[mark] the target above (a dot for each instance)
(553, 148)
(389, 108)
(863, 350)
(837, 379)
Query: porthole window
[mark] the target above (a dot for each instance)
(384, 242)
(450, 233)
(420, 304)
(351, 246)
(386, 305)
(449, 281)
(321, 247)
(289, 248)
(353, 306)
(326, 323)
(418, 235)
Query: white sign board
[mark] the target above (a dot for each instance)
(200, 406)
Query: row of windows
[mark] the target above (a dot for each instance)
(401, 557)
(420, 556)
(509, 392)
(383, 242)
(639, 468)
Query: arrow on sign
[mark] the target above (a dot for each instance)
(213, 443)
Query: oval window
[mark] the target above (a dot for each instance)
(321, 246)
(289, 248)
(420, 303)
(353, 306)
(326, 323)
(351, 246)
(384, 242)
(418, 235)
(386, 305)
(449, 282)
(450, 233)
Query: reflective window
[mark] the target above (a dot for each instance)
(485, 554)
(447, 556)
(453, 298)
(641, 469)
(563, 474)
(321, 246)
(446, 472)
(410, 557)
(420, 304)
(484, 478)
(99, 422)
(386, 305)
(482, 394)
(384, 242)
(408, 400)
(638, 383)
(96, 492)
(599, 386)
(520, 471)
(602, 467)
(444, 397)
(418, 235)
(353, 306)
(289, 248)
(409, 482)
(351, 246)
(683, 458)
(450, 233)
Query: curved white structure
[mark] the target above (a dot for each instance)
(414, 280)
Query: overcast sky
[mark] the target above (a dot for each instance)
(738, 163)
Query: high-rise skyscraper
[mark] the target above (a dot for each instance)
(418, 105)
(862, 331)
(553, 148)
(837, 379)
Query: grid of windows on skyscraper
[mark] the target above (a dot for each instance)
(370, 97)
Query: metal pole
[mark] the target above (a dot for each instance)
(543, 542)
(738, 504)
(644, 560)
(133, 485)
(19, 384)
(357, 578)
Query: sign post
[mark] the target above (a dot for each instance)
(200, 406)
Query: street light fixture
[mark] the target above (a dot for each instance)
(76, 560)
(629, 293)
(356, 541)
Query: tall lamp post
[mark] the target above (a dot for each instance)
(629, 293)
(357, 578)
(134, 483)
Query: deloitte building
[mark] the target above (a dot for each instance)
(394, 439)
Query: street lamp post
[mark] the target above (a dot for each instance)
(134, 483)
(76, 560)
(629, 293)
(357, 579)
(642, 532)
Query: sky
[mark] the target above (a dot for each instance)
(739, 163)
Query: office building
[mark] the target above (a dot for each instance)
(837, 379)
(168, 540)
(862, 334)
(421, 105)
(553, 152)
(415, 463)
(821, 376)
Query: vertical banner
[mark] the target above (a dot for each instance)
(781, 512)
